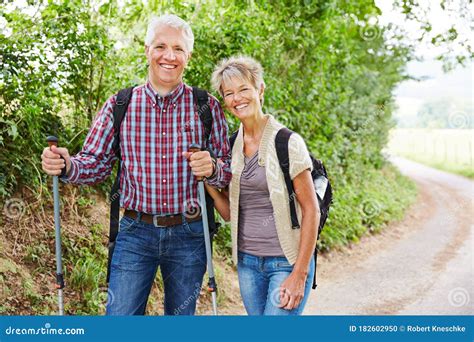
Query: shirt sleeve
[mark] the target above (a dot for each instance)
(219, 145)
(299, 156)
(95, 161)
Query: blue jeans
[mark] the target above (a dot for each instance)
(140, 248)
(260, 279)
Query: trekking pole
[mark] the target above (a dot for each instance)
(211, 285)
(53, 141)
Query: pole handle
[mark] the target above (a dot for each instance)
(52, 141)
(195, 148)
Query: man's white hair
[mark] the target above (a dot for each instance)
(172, 21)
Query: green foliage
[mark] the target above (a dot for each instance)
(87, 260)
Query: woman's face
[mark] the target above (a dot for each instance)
(241, 97)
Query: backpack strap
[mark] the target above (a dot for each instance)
(315, 268)
(281, 143)
(120, 109)
(201, 98)
(232, 139)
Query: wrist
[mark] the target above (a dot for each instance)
(214, 167)
(67, 170)
(68, 167)
(300, 271)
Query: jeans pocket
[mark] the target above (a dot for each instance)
(194, 228)
(283, 264)
(127, 224)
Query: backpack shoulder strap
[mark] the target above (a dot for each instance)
(281, 144)
(201, 98)
(120, 109)
(232, 139)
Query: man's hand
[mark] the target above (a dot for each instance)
(201, 163)
(52, 162)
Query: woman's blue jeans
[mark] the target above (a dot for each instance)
(140, 248)
(260, 279)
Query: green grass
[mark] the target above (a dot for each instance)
(463, 170)
(450, 150)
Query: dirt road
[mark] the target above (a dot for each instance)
(422, 265)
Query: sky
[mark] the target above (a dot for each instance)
(456, 85)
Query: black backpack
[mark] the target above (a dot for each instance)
(201, 99)
(322, 186)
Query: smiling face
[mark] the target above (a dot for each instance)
(167, 57)
(241, 97)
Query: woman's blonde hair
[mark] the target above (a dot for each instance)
(243, 67)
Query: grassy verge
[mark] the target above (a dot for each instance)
(463, 170)
(449, 150)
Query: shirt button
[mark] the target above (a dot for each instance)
(164, 110)
(164, 157)
(164, 133)
(164, 203)
(164, 180)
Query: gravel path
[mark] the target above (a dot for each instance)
(419, 266)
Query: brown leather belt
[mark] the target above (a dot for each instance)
(164, 221)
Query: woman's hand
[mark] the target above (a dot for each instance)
(292, 290)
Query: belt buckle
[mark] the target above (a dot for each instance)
(155, 221)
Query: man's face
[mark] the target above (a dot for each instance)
(167, 56)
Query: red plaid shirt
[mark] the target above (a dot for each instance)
(155, 178)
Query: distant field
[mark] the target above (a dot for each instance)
(448, 149)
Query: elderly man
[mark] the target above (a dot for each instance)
(158, 176)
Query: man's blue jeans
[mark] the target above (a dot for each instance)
(140, 248)
(260, 279)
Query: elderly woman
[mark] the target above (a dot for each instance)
(274, 261)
